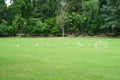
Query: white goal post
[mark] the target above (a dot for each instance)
(101, 44)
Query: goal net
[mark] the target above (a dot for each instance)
(101, 44)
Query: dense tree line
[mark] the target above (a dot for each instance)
(50, 17)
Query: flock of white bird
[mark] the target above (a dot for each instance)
(47, 43)
(97, 44)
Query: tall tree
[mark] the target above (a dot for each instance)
(3, 7)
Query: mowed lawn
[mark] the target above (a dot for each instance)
(59, 59)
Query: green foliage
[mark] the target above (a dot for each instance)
(75, 23)
(7, 30)
(2, 28)
(46, 17)
(3, 8)
(19, 23)
(10, 31)
(38, 27)
(110, 16)
(53, 27)
(60, 20)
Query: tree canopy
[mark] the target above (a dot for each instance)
(49, 17)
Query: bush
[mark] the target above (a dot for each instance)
(7, 31)
(1, 30)
(10, 31)
(52, 26)
(40, 29)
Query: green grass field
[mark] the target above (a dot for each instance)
(59, 59)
